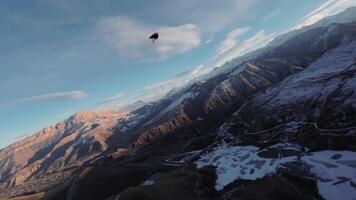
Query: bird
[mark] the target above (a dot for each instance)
(154, 37)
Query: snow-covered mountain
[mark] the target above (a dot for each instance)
(215, 98)
(319, 98)
(278, 123)
(341, 18)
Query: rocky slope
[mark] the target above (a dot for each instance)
(63, 145)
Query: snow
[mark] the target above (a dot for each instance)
(173, 105)
(200, 118)
(313, 81)
(335, 171)
(238, 70)
(177, 102)
(83, 139)
(148, 182)
(240, 162)
(131, 120)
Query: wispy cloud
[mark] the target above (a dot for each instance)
(260, 39)
(115, 98)
(71, 95)
(155, 91)
(130, 38)
(230, 40)
(330, 7)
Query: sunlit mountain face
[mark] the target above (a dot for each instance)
(178, 100)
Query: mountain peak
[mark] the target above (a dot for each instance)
(89, 115)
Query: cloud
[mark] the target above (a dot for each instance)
(193, 19)
(71, 95)
(158, 90)
(260, 39)
(155, 91)
(330, 7)
(190, 72)
(130, 38)
(112, 99)
(147, 94)
(230, 40)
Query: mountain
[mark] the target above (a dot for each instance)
(346, 16)
(58, 148)
(277, 124)
(216, 97)
(320, 100)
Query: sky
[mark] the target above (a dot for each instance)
(58, 57)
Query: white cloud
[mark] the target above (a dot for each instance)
(115, 98)
(195, 18)
(158, 90)
(260, 39)
(130, 38)
(330, 7)
(71, 95)
(230, 40)
(155, 91)
(191, 72)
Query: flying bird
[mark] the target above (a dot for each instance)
(154, 37)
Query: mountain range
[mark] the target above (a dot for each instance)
(277, 123)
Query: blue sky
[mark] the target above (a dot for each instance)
(61, 56)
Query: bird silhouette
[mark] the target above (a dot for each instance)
(154, 37)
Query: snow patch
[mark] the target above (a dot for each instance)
(335, 171)
(178, 101)
(148, 182)
(240, 162)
